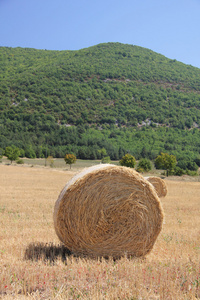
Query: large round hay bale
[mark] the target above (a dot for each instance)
(159, 185)
(107, 210)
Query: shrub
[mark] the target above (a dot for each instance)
(50, 161)
(128, 160)
(140, 170)
(178, 171)
(106, 160)
(20, 161)
(187, 164)
(145, 164)
(191, 173)
(1, 154)
(166, 161)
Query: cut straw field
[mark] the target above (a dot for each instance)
(34, 265)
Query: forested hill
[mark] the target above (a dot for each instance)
(113, 96)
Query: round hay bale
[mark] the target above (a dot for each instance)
(108, 211)
(159, 185)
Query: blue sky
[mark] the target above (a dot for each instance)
(169, 27)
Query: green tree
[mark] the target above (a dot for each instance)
(106, 160)
(29, 152)
(50, 161)
(70, 159)
(102, 152)
(12, 153)
(166, 161)
(1, 154)
(187, 164)
(128, 160)
(144, 164)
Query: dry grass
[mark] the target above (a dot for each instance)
(34, 265)
(108, 210)
(159, 185)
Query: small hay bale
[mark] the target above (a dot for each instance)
(159, 185)
(108, 211)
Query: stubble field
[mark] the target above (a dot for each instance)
(34, 265)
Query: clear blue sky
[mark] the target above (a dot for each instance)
(169, 27)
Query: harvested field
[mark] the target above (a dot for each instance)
(34, 265)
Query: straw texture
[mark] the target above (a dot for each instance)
(159, 185)
(106, 211)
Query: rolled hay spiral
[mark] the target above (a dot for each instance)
(159, 185)
(108, 211)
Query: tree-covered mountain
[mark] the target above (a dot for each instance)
(113, 96)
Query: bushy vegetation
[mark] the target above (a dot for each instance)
(128, 160)
(12, 153)
(1, 154)
(70, 159)
(106, 160)
(118, 97)
(144, 165)
(166, 162)
(20, 161)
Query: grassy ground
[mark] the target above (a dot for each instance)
(58, 163)
(34, 265)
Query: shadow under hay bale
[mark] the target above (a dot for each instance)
(108, 211)
(159, 185)
(46, 252)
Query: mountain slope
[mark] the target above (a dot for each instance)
(105, 86)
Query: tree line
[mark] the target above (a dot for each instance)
(164, 161)
(87, 142)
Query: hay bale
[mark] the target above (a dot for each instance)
(107, 210)
(159, 185)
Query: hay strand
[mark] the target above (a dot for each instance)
(159, 185)
(107, 210)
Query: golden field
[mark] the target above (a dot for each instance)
(33, 264)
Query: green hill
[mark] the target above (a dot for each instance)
(113, 96)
